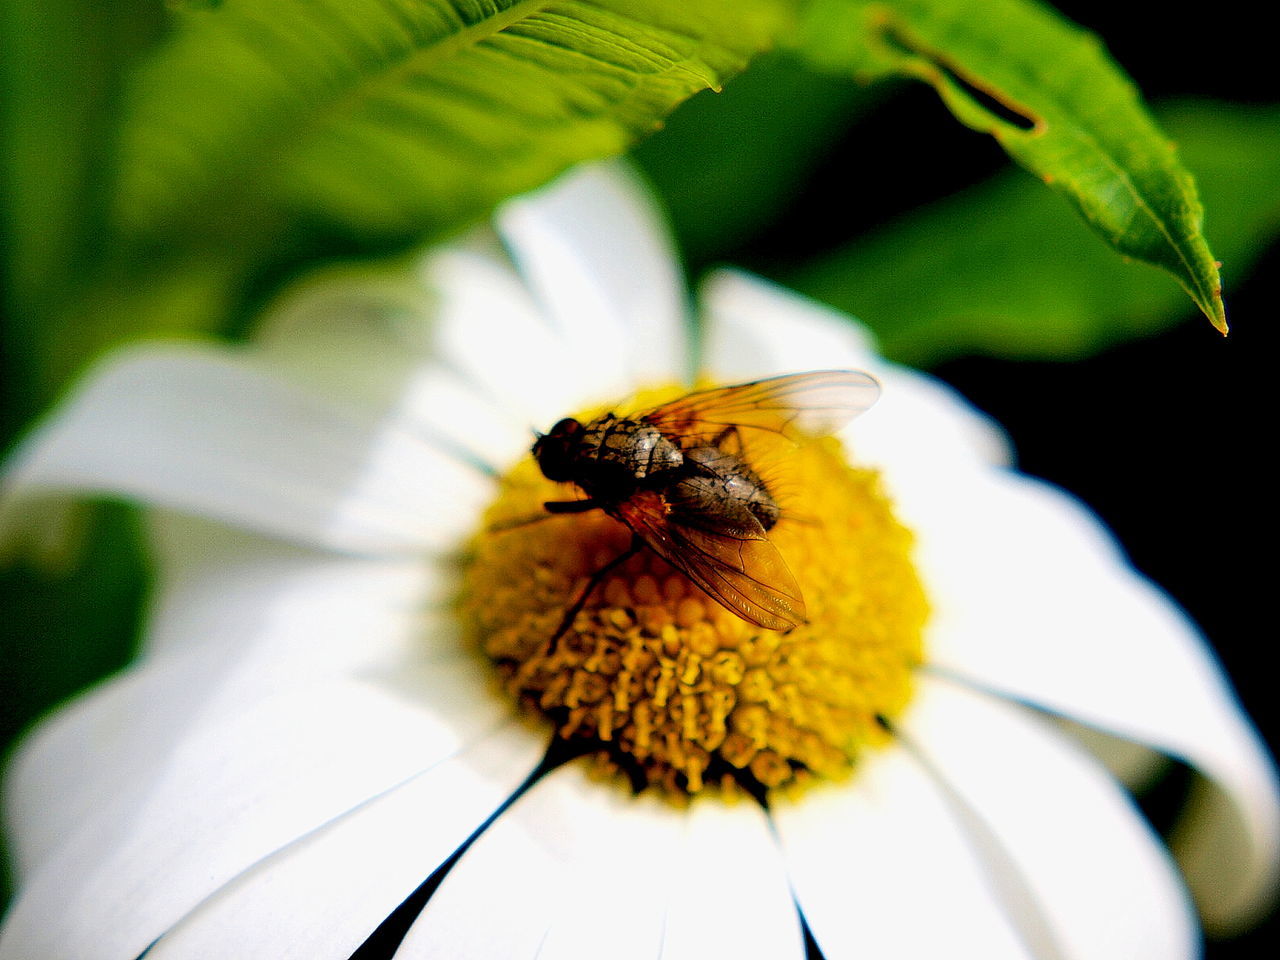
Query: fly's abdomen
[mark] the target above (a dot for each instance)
(724, 491)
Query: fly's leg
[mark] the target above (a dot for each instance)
(516, 523)
(570, 506)
(553, 508)
(596, 579)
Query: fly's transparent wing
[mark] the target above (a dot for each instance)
(743, 571)
(795, 406)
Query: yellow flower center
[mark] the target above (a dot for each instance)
(661, 682)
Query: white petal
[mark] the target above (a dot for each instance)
(230, 793)
(575, 870)
(281, 606)
(920, 423)
(729, 895)
(202, 430)
(1079, 867)
(1134, 764)
(1030, 598)
(235, 618)
(356, 332)
(454, 414)
(492, 334)
(112, 743)
(324, 895)
(881, 868)
(593, 249)
(368, 337)
(757, 329)
(1233, 881)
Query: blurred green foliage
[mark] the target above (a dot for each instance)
(159, 161)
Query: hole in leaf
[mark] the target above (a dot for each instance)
(989, 100)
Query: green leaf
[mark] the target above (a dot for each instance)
(1048, 92)
(256, 139)
(1004, 269)
(398, 119)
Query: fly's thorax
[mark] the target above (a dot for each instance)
(631, 448)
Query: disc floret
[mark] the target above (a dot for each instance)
(659, 681)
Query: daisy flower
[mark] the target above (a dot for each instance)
(336, 739)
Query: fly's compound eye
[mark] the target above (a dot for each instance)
(554, 452)
(568, 427)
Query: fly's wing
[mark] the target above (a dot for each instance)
(791, 406)
(734, 562)
(743, 572)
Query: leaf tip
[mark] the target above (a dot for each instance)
(1215, 310)
(1219, 318)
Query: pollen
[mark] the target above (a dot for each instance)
(659, 682)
